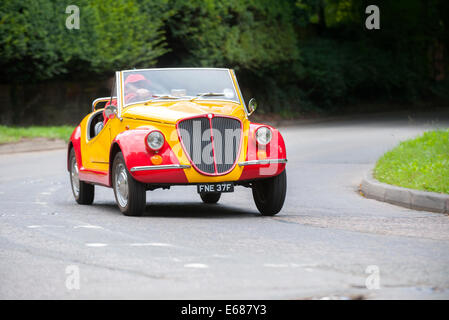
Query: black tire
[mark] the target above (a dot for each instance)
(269, 194)
(84, 192)
(210, 197)
(136, 193)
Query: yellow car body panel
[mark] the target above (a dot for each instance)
(161, 116)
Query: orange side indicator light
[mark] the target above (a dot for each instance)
(261, 154)
(156, 159)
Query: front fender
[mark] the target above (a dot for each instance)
(132, 144)
(273, 150)
(75, 140)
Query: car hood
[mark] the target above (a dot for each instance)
(171, 112)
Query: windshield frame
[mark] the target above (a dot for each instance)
(238, 99)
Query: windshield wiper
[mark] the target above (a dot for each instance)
(166, 97)
(162, 97)
(208, 94)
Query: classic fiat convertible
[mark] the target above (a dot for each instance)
(183, 126)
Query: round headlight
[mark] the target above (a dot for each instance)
(155, 140)
(263, 135)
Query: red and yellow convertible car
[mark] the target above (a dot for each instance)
(180, 126)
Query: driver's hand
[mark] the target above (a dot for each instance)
(143, 92)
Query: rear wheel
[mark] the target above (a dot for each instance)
(83, 192)
(269, 194)
(129, 193)
(210, 197)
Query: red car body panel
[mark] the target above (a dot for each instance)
(136, 153)
(274, 150)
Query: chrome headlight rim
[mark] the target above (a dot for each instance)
(259, 135)
(155, 140)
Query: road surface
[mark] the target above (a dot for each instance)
(328, 242)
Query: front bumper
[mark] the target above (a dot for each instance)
(178, 173)
(261, 162)
(186, 166)
(160, 167)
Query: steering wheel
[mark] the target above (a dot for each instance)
(139, 95)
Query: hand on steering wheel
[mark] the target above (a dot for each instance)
(138, 95)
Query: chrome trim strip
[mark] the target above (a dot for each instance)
(265, 161)
(118, 83)
(191, 68)
(161, 167)
(99, 100)
(239, 92)
(188, 99)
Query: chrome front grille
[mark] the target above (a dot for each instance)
(212, 143)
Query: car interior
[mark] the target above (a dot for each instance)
(95, 124)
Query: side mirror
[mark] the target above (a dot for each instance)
(252, 106)
(110, 111)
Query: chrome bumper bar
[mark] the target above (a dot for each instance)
(265, 161)
(161, 167)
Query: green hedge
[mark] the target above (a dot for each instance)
(294, 55)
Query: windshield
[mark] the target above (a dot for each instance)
(172, 84)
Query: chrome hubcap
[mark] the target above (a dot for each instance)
(121, 185)
(75, 177)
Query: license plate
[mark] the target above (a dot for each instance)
(215, 187)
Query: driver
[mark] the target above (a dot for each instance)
(136, 88)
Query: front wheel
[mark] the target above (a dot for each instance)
(210, 197)
(269, 194)
(83, 192)
(129, 193)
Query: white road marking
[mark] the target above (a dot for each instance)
(40, 202)
(46, 193)
(196, 265)
(292, 265)
(96, 244)
(295, 265)
(274, 265)
(44, 226)
(150, 244)
(89, 226)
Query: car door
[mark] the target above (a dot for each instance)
(96, 155)
(97, 148)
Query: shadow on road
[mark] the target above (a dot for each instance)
(186, 210)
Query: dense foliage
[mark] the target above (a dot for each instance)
(36, 44)
(293, 55)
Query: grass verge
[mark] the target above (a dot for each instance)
(14, 134)
(421, 163)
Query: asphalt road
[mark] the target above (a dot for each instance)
(319, 246)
